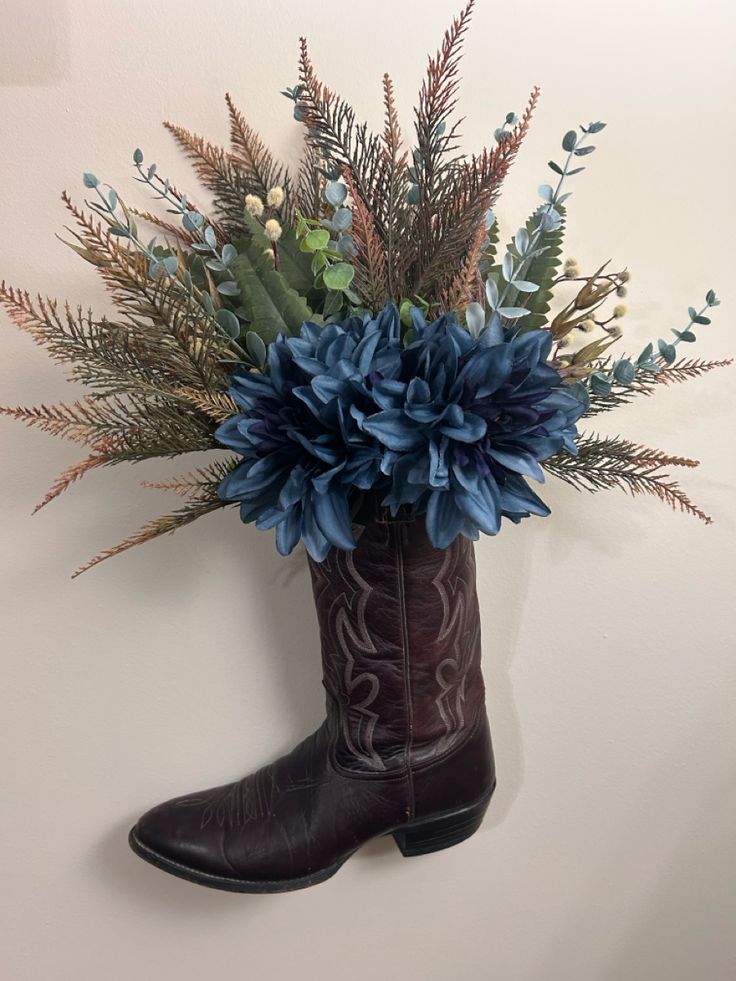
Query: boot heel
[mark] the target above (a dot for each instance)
(441, 830)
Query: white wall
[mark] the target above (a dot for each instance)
(608, 852)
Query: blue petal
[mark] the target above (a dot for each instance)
(393, 429)
(332, 515)
(444, 520)
(314, 541)
(518, 462)
(481, 506)
(289, 532)
(227, 433)
(471, 429)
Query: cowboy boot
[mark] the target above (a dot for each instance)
(405, 748)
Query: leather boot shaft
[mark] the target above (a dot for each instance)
(400, 633)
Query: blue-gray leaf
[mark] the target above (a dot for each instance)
(475, 318)
(229, 254)
(668, 351)
(342, 219)
(256, 347)
(624, 372)
(507, 266)
(335, 193)
(521, 240)
(229, 322)
(512, 313)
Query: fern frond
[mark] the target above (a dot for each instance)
(310, 184)
(333, 132)
(436, 140)
(255, 160)
(162, 313)
(467, 285)
(136, 429)
(394, 188)
(220, 173)
(176, 232)
(164, 525)
(370, 261)
(673, 374)
(604, 462)
(76, 471)
(468, 189)
(685, 369)
(217, 406)
(198, 482)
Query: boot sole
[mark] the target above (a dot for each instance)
(432, 834)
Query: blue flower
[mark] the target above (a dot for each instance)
(467, 422)
(303, 452)
(445, 426)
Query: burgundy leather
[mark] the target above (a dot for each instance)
(406, 734)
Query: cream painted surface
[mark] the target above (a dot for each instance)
(608, 853)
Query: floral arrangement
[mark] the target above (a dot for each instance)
(355, 329)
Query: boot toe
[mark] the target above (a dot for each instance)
(174, 834)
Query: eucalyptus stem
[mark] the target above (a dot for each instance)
(106, 209)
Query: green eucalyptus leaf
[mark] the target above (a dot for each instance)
(316, 240)
(339, 276)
